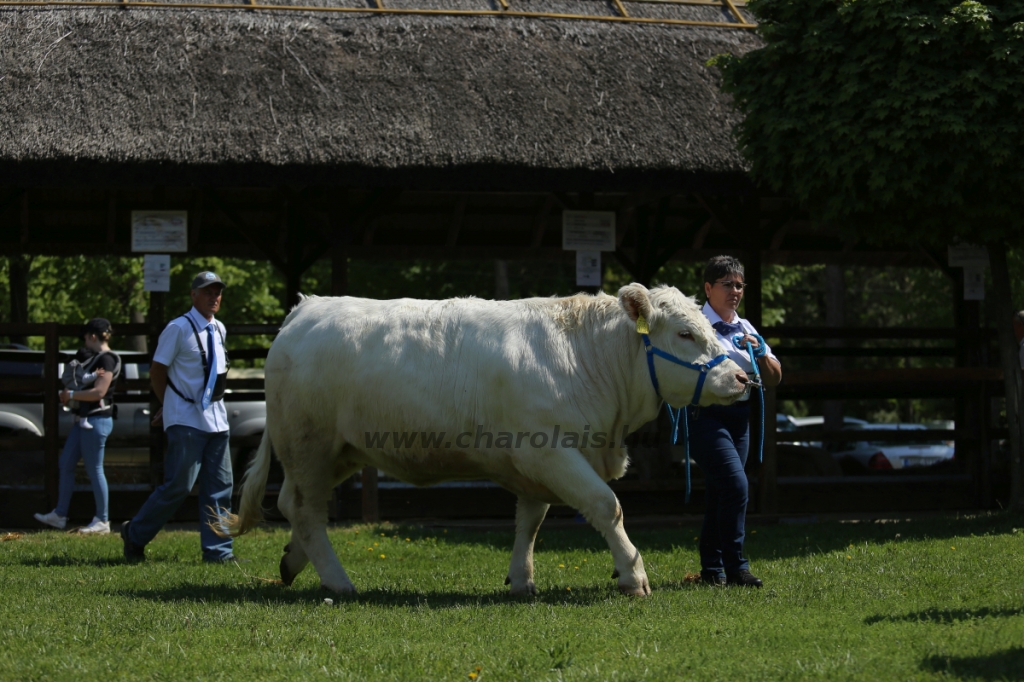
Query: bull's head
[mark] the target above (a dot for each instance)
(677, 326)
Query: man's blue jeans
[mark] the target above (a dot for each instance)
(719, 440)
(191, 454)
(87, 444)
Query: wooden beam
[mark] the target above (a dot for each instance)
(874, 333)
(702, 234)
(195, 221)
(456, 222)
(724, 221)
(112, 218)
(541, 221)
(268, 250)
(24, 218)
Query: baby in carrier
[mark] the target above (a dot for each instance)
(79, 375)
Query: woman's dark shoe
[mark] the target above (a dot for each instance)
(743, 579)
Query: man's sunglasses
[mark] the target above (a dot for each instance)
(729, 284)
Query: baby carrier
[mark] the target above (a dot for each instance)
(79, 375)
(221, 381)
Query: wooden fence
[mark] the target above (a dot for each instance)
(972, 388)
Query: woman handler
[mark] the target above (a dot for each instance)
(720, 434)
(88, 443)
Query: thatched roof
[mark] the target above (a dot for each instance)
(238, 97)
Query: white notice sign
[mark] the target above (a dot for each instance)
(588, 268)
(974, 283)
(967, 255)
(157, 272)
(588, 230)
(160, 231)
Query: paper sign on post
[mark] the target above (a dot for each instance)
(974, 283)
(968, 255)
(156, 269)
(160, 231)
(588, 268)
(588, 230)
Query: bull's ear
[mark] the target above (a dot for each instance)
(635, 300)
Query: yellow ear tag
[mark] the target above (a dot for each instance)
(641, 325)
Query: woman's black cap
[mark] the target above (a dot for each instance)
(97, 326)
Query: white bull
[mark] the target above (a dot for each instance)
(481, 385)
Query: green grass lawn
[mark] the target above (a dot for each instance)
(923, 599)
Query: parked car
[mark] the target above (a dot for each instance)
(888, 454)
(245, 418)
(814, 423)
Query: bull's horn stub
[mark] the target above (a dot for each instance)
(641, 325)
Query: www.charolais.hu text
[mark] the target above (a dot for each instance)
(556, 437)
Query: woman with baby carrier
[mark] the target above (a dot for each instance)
(89, 380)
(720, 434)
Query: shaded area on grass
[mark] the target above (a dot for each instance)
(279, 594)
(1001, 665)
(936, 615)
(786, 541)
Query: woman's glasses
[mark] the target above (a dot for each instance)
(729, 284)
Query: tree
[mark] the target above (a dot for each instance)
(896, 121)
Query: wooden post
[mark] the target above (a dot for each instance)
(18, 271)
(51, 407)
(156, 320)
(1008, 352)
(984, 450)
(339, 287)
(752, 301)
(769, 483)
(835, 316)
(294, 243)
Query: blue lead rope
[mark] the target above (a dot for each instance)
(754, 354)
(675, 414)
(678, 415)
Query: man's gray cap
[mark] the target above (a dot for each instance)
(205, 279)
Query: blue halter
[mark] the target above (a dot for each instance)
(678, 413)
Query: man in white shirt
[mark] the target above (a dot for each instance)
(188, 374)
(720, 434)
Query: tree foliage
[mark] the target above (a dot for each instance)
(902, 119)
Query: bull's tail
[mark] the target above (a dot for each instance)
(254, 485)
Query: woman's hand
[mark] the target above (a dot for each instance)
(752, 340)
(65, 396)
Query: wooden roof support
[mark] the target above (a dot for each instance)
(540, 222)
(268, 250)
(112, 218)
(456, 222)
(24, 218)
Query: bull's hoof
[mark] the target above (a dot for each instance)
(346, 589)
(615, 574)
(288, 548)
(287, 577)
(508, 580)
(642, 589)
(527, 590)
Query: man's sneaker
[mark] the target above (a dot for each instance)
(743, 579)
(132, 552)
(716, 579)
(52, 519)
(96, 527)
